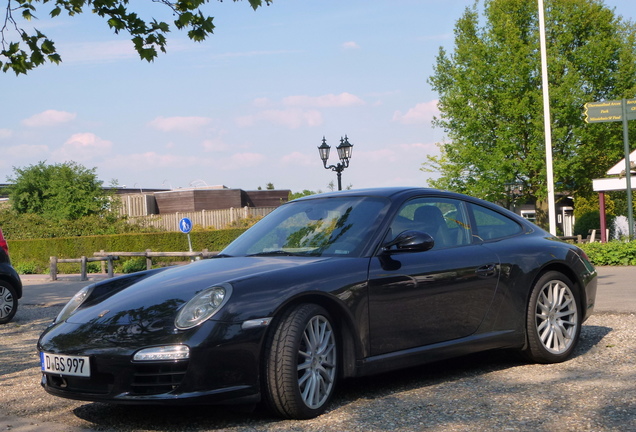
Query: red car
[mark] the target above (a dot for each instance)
(10, 284)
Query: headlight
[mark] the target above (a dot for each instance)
(202, 306)
(74, 303)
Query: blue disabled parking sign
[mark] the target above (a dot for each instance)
(185, 225)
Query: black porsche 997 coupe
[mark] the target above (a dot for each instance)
(326, 287)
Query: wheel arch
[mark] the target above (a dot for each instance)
(348, 341)
(567, 272)
(15, 284)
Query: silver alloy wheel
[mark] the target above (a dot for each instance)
(317, 362)
(556, 317)
(6, 302)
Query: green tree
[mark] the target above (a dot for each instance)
(306, 192)
(65, 191)
(33, 48)
(490, 97)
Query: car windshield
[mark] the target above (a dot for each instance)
(335, 226)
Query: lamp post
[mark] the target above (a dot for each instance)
(344, 153)
(514, 190)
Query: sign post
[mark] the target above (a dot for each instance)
(185, 225)
(617, 110)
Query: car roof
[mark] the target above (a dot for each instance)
(387, 192)
(392, 193)
(400, 193)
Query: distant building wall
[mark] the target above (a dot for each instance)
(265, 198)
(196, 200)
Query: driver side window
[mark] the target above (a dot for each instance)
(443, 219)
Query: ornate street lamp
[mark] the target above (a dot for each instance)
(344, 153)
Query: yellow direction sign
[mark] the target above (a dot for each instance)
(617, 110)
(608, 111)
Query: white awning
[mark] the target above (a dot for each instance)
(612, 184)
(619, 168)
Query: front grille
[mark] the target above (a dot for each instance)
(157, 378)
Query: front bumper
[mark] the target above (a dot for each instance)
(221, 369)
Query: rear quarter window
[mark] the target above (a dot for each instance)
(490, 225)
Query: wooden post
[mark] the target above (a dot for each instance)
(110, 265)
(53, 268)
(83, 269)
(148, 260)
(102, 264)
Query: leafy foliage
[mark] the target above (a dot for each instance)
(65, 191)
(306, 192)
(32, 226)
(490, 98)
(133, 265)
(611, 253)
(35, 253)
(147, 35)
(590, 221)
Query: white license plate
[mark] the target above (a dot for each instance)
(65, 365)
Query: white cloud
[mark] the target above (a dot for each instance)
(297, 158)
(82, 147)
(418, 146)
(291, 118)
(182, 124)
(381, 155)
(5, 133)
(243, 160)
(152, 161)
(350, 45)
(49, 118)
(214, 145)
(420, 114)
(325, 101)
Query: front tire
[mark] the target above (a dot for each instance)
(301, 363)
(553, 321)
(8, 302)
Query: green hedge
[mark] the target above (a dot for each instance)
(33, 256)
(611, 253)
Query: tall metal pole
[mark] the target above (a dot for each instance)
(547, 122)
(628, 172)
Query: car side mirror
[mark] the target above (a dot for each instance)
(411, 241)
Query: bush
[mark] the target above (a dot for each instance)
(611, 253)
(133, 265)
(27, 267)
(39, 251)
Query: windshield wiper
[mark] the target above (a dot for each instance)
(273, 253)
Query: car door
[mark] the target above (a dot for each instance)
(422, 298)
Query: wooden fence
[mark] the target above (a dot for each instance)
(217, 219)
(83, 264)
(109, 257)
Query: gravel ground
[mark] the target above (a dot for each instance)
(594, 391)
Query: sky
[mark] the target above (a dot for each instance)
(248, 106)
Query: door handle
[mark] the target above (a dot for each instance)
(487, 271)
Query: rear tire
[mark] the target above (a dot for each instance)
(8, 302)
(301, 363)
(553, 321)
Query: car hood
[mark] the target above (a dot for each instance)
(158, 296)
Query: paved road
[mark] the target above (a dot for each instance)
(616, 289)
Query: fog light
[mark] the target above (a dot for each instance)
(172, 352)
